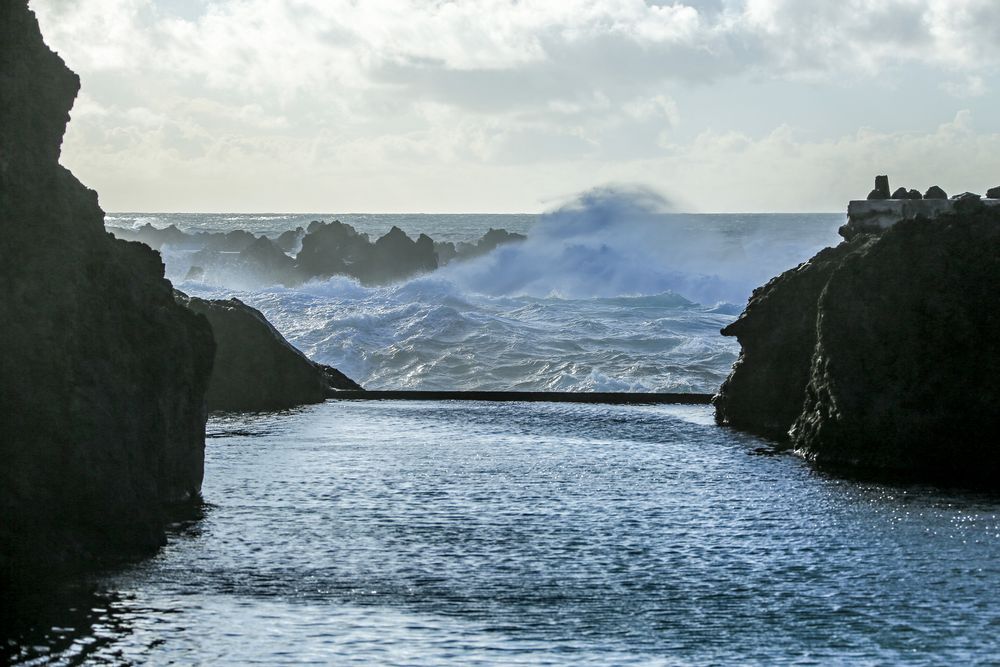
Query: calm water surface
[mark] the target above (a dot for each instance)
(475, 533)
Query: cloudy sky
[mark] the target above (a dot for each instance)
(511, 105)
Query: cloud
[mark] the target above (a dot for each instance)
(490, 90)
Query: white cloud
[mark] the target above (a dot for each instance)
(303, 100)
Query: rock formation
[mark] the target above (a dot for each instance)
(881, 355)
(934, 192)
(993, 193)
(255, 367)
(103, 375)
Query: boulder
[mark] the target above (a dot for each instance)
(881, 356)
(967, 196)
(255, 368)
(934, 192)
(881, 190)
(900, 193)
(993, 193)
(103, 375)
(914, 194)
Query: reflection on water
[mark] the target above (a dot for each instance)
(476, 533)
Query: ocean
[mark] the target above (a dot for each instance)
(604, 297)
(468, 533)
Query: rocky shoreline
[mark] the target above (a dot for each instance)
(105, 375)
(881, 356)
(319, 251)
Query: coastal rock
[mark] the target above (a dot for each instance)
(268, 264)
(934, 192)
(290, 241)
(777, 333)
(900, 193)
(329, 249)
(914, 194)
(967, 196)
(255, 367)
(103, 375)
(889, 356)
(881, 190)
(993, 193)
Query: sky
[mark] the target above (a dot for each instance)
(516, 105)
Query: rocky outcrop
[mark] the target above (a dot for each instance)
(102, 375)
(881, 355)
(255, 367)
(765, 390)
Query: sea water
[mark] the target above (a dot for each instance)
(408, 533)
(463, 533)
(607, 296)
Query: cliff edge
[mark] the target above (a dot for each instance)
(103, 375)
(881, 356)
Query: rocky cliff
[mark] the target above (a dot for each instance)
(103, 375)
(255, 367)
(881, 355)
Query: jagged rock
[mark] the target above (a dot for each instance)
(887, 348)
(103, 375)
(329, 249)
(290, 241)
(255, 367)
(993, 193)
(265, 262)
(934, 192)
(445, 252)
(396, 256)
(777, 333)
(881, 190)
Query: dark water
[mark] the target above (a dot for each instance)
(475, 533)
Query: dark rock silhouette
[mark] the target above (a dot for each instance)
(993, 193)
(330, 249)
(934, 192)
(255, 367)
(324, 249)
(903, 193)
(967, 196)
(265, 260)
(291, 241)
(882, 355)
(766, 388)
(881, 190)
(103, 375)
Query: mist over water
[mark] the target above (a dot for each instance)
(628, 241)
(612, 291)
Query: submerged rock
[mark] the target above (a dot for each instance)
(255, 367)
(881, 355)
(103, 375)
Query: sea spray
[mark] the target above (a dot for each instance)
(612, 291)
(626, 241)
